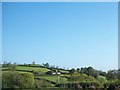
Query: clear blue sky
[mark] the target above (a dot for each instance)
(64, 34)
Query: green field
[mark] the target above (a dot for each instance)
(24, 68)
(54, 78)
(16, 71)
(64, 71)
(32, 68)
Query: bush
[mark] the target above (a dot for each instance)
(82, 78)
(16, 80)
(42, 83)
(26, 80)
(9, 79)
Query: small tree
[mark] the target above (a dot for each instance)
(47, 65)
(33, 63)
(90, 71)
(26, 80)
(71, 71)
(12, 67)
(112, 75)
(78, 70)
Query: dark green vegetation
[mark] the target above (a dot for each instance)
(43, 76)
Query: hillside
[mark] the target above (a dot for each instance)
(46, 76)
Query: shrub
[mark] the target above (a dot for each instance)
(26, 80)
(16, 80)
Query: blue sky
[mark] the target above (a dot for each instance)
(64, 34)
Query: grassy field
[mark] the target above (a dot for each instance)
(54, 78)
(24, 68)
(63, 71)
(16, 71)
(32, 68)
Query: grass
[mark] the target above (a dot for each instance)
(4, 68)
(64, 71)
(54, 78)
(16, 71)
(32, 68)
(24, 68)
